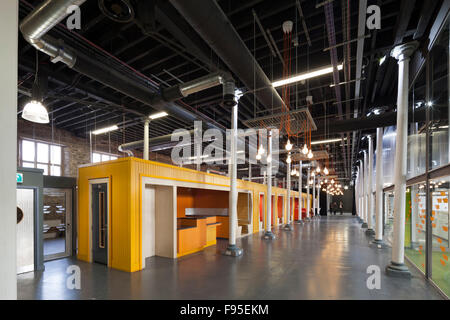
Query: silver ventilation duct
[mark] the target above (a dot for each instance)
(36, 25)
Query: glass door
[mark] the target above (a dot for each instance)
(57, 223)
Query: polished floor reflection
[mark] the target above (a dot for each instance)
(323, 259)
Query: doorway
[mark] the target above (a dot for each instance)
(262, 215)
(57, 226)
(100, 223)
(148, 224)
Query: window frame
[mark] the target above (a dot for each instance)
(102, 154)
(35, 162)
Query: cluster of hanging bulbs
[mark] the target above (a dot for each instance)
(307, 152)
(334, 188)
(295, 173)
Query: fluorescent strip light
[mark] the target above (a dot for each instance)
(327, 141)
(105, 130)
(201, 157)
(305, 76)
(158, 115)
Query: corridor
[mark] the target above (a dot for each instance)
(326, 258)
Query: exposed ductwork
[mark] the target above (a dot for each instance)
(36, 25)
(153, 141)
(377, 121)
(185, 89)
(47, 15)
(208, 19)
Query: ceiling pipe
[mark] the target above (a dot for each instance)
(359, 60)
(44, 17)
(41, 20)
(211, 23)
(331, 31)
(152, 141)
(376, 121)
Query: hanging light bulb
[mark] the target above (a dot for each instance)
(318, 170)
(313, 174)
(305, 149)
(35, 111)
(258, 156)
(288, 160)
(297, 174)
(325, 170)
(261, 149)
(310, 155)
(289, 145)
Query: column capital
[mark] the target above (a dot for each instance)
(404, 51)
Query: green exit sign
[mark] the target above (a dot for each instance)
(19, 177)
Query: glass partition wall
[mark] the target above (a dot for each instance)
(428, 170)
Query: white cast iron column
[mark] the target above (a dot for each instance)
(366, 191)
(379, 189)
(370, 222)
(300, 187)
(397, 266)
(287, 226)
(308, 204)
(232, 249)
(314, 195)
(361, 200)
(268, 235)
(146, 139)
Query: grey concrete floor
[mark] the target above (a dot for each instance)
(323, 259)
(54, 246)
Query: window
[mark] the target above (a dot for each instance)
(102, 157)
(43, 156)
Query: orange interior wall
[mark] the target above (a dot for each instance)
(261, 207)
(296, 209)
(223, 230)
(273, 213)
(211, 198)
(185, 199)
(280, 207)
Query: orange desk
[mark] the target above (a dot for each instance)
(195, 233)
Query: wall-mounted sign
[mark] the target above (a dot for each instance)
(19, 177)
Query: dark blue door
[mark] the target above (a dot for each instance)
(100, 223)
